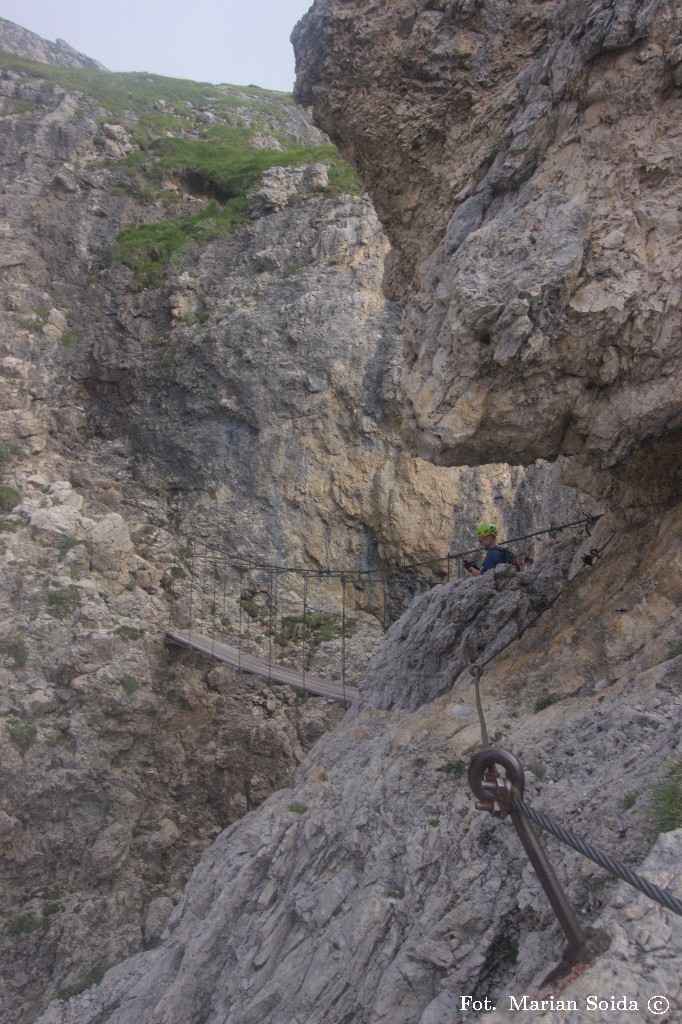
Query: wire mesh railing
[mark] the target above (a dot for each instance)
(282, 614)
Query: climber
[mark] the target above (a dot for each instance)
(487, 535)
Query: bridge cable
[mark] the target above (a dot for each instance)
(305, 626)
(271, 601)
(223, 621)
(213, 606)
(241, 609)
(191, 589)
(343, 639)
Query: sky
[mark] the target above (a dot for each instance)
(242, 42)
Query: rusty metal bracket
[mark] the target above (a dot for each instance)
(496, 793)
(476, 671)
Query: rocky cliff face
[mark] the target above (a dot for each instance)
(524, 161)
(163, 377)
(15, 39)
(374, 892)
(520, 158)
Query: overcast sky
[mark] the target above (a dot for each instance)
(243, 42)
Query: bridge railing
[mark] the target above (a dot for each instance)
(283, 613)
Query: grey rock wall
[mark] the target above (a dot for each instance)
(248, 400)
(15, 39)
(372, 891)
(523, 160)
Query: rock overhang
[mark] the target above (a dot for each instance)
(523, 161)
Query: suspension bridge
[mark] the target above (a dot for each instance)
(283, 615)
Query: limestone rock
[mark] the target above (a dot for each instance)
(27, 44)
(450, 628)
(522, 160)
(395, 895)
(281, 184)
(111, 543)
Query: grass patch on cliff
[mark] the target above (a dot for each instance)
(226, 173)
(121, 93)
(22, 734)
(129, 632)
(130, 685)
(63, 602)
(317, 627)
(9, 498)
(23, 924)
(93, 977)
(667, 802)
(148, 248)
(544, 702)
(14, 647)
(174, 126)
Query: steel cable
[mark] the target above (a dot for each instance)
(654, 892)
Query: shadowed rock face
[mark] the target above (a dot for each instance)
(522, 158)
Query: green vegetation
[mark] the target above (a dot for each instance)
(628, 800)
(146, 827)
(177, 572)
(23, 106)
(509, 948)
(22, 924)
(129, 632)
(6, 527)
(455, 768)
(130, 685)
(255, 611)
(185, 552)
(674, 652)
(122, 93)
(63, 602)
(9, 498)
(148, 248)
(5, 454)
(545, 702)
(494, 146)
(14, 647)
(538, 771)
(22, 734)
(298, 808)
(667, 805)
(92, 978)
(50, 892)
(70, 338)
(65, 544)
(316, 627)
(59, 739)
(164, 122)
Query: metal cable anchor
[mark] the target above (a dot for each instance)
(496, 793)
(591, 558)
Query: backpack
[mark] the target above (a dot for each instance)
(509, 557)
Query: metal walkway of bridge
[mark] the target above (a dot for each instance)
(259, 666)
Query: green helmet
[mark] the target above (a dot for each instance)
(487, 530)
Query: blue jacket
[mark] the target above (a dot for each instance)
(492, 558)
